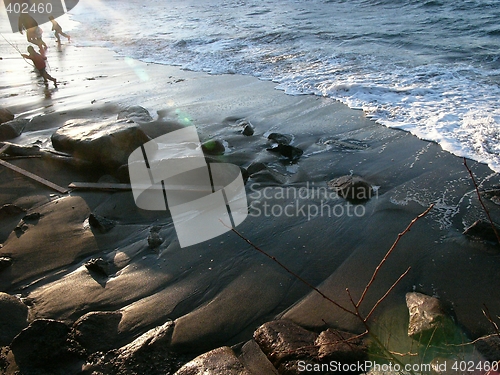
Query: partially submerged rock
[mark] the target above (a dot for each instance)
(12, 129)
(483, 230)
(352, 188)
(13, 317)
(291, 152)
(281, 139)
(220, 361)
(428, 318)
(108, 144)
(248, 130)
(213, 147)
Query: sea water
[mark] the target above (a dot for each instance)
(429, 67)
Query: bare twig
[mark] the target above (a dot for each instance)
(386, 294)
(481, 201)
(486, 313)
(375, 273)
(356, 305)
(291, 272)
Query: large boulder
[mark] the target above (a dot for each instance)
(13, 317)
(12, 129)
(44, 344)
(285, 344)
(108, 143)
(97, 330)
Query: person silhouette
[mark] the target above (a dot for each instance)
(58, 30)
(39, 62)
(33, 30)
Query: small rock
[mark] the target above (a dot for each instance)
(482, 230)
(291, 152)
(213, 147)
(5, 115)
(100, 223)
(13, 317)
(97, 330)
(135, 113)
(280, 139)
(154, 239)
(428, 319)
(248, 130)
(5, 262)
(43, 344)
(99, 266)
(352, 188)
(220, 361)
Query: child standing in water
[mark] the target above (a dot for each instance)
(58, 30)
(39, 62)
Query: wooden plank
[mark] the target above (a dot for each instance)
(99, 186)
(39, 179)
(117, 187)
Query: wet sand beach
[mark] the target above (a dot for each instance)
(218, 292)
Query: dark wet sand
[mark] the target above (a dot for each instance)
(219, 291)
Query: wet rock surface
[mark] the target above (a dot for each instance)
(106, 143)
(13, 317)
(352, 188)
(97, 331)
(12, 129)
(44, 344)
(428, 318)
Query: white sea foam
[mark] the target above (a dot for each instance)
(413, 75)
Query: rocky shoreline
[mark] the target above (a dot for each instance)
(93, 345)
